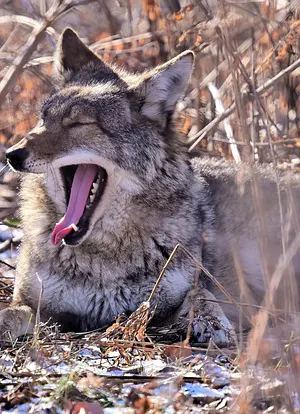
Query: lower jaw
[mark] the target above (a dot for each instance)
(77, 237)
(70, 241)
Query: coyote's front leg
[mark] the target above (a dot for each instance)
(15, 321)
(209, 321)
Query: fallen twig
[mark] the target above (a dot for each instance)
(7, 264)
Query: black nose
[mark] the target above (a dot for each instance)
(16, 157)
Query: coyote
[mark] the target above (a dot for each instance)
(108, 190)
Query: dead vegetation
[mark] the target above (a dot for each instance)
(243, 104)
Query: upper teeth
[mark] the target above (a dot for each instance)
(94, 188)
(92, 198)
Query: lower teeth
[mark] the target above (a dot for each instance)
(74, 227)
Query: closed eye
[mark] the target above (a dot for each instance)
(77, 124)
(74, 124)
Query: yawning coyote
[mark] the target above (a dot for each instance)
(108, 190)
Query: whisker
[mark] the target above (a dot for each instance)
(3, 169)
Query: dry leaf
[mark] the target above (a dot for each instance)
(81, 407)
(178, 351)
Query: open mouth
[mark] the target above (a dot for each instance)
(84, 186)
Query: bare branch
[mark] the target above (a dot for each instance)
(34, 39)
(220, 109)
(26, 21)
(263, 88)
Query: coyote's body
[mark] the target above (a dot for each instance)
(94, 251)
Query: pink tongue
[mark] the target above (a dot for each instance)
(82, 182)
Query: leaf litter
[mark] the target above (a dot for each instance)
(54, 372)
(123, 370)
(120, 370)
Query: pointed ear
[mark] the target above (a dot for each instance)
(72, 54)
(164, 86)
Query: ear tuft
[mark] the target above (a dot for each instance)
(165, 85)
(72, 53)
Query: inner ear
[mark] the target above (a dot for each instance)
(73, 54)
(164, 86)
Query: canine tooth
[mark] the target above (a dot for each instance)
(92, 198)
(74, 227)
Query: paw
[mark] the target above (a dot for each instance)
(15, 321)
(7, 337)
(211, 328)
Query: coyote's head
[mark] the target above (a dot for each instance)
(102, 131)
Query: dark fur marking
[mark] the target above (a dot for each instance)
(164, 252)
